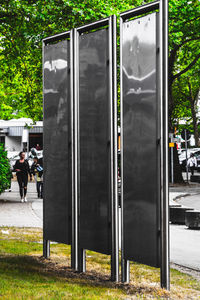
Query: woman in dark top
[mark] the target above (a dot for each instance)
(22, 170)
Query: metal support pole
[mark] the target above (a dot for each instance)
(74, 247)
(28, 144)
(113, 156)
(186, 153)
(80, 253)
(111, 21)
(172, 159)
(125, 268)
(125, 273)
(165, 262)
(46, 248)
(82, 260)
(46, 243)
(172, 164)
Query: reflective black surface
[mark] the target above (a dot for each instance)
(140, 114)
(95, 221)
(57, 176)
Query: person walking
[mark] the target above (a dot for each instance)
(192, 163)
(37, 171)
(33, 168)
(22, 170)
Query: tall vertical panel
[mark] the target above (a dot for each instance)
(94, 143)
(57, 141)
(141, 168)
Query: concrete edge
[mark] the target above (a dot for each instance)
(186, 270)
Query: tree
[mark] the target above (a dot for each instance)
(5, 174)
(184, 42)
(185, 95)
(184, 28)
(23, 25)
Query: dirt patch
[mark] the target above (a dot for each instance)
(55, 266)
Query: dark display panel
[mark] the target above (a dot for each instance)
(140, 147)
(94, 128)
(57, 138)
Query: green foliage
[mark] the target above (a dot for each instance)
(185, 93)
(5, 174)
(184, 56)
(24, 23)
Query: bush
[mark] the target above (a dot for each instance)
(5, 173)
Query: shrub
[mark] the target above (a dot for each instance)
(5, 173)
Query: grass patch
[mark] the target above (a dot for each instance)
(25, 274)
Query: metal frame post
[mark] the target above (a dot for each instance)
(46, 243)
(162, 5)
(82, 260)
(165, 263)
(171, 136)
(46, 248)
(80, 253)
(186, 153)
(125, 266)
(113, 148)
(111, 22)
(74, 255)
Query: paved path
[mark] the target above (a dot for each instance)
(184, 242)
(15, 213)
(185, 246)
(190, 201)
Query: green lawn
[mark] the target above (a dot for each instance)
(25, 274)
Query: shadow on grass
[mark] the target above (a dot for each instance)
(33, 269)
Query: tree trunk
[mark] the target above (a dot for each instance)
(170, 108)
(194, 114)
(178, 178)
(195, 127)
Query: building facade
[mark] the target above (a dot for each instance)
(16, 132)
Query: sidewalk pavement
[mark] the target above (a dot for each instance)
(184, 246)
(184, 242)
(17, 214)
(179, 194)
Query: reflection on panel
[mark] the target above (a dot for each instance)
(140, 140)
(95, 222)
(57, 177)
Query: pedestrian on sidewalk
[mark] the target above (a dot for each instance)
(22, 170)
(37, 171)
(33, 167)
(192, 163)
